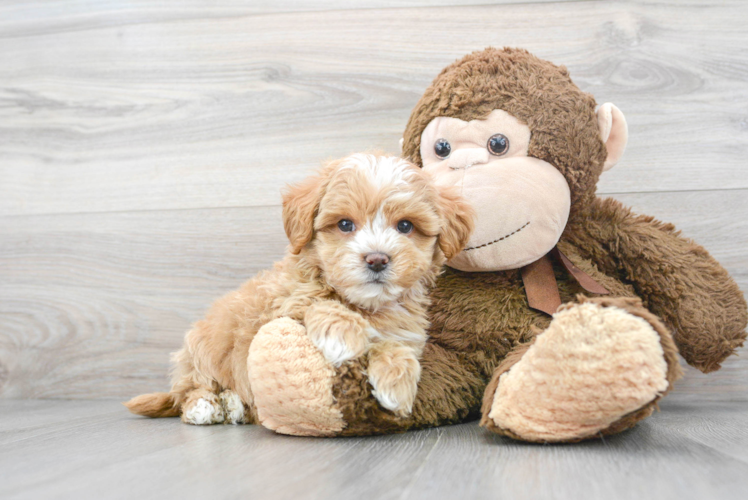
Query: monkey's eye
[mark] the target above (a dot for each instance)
(442, 148)
(498, 144)
(346, 225)
(405, 226)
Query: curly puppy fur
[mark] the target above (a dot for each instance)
(349, 306)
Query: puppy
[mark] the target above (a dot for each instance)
(368, 237)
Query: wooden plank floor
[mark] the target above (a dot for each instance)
(95, 449)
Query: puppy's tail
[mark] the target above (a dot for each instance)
(157, 404)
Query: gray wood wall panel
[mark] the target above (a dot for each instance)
(143, 148)
(205, 112)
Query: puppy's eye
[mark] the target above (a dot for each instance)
(498, 144)
(442, 148)
(346, 225)
(405, 226)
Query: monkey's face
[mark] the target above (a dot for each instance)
(522, 203)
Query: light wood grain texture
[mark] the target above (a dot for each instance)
(168, 112)
(143, 145)
(97, 450)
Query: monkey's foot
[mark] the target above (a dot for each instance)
(598, 369)
(292, 382)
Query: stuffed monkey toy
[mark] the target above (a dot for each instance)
(563, 318)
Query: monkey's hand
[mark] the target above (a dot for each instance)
(676, 278)
(338, 332)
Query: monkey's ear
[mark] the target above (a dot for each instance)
(613, 131)
(300, 203)
(400, 142)
(458, 221)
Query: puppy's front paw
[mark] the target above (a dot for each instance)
(340, 334)
(394, 372)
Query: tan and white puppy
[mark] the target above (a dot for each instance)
(368, 237)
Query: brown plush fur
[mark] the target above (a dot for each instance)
(481, 323)
(676, 278)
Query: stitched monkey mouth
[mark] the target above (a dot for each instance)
(498, 239)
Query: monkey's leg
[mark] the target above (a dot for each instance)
(297, 391)
(598, 369)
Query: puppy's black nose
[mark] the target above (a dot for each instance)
(376, 261)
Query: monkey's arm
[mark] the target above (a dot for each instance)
(676, 278)
(450, 391)
(297, 391)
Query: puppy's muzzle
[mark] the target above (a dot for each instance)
(377, 261)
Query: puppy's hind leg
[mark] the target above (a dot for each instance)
(196, 393)
(234, 409)
(193, 395)
(202, 407)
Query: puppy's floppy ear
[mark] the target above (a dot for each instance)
(300, 203)
(457, 221)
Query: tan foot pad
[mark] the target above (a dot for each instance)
(292, 382)
(590, 368)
